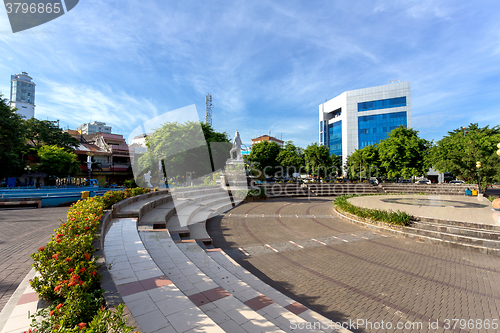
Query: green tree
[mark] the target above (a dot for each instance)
(57, 162)
(183, 149)
(12, 132)
(461, 149)
(263, 157)
(46, 133)
(403, 153)
(318, 161)
(291, 158)
(363, 163)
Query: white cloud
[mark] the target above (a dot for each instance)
(78, 104)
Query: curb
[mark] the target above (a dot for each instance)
(14, 299)
(394, 230)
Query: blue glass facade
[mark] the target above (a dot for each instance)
(373, 129)
(335, 138)
(382, 104)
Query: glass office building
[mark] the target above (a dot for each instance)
(358, 118)
(22, 94)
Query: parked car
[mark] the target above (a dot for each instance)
(457, 182)
(405, 181)
(373, 181)
(423, 181)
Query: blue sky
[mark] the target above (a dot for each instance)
(267, 64)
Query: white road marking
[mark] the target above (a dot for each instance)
(297, 244)
(272, 248)
(318, 241)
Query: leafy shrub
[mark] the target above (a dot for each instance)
(139, 191)
(112, 197)
(130, 183)
(389, 216)
(68, 273)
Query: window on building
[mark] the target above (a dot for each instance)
(374, 128)
(382, 104)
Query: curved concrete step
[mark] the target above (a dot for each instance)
(155, 301)
(403, 232)
(230, 313)
(488, 243)
(133, 209)
(456, 230)
(159, 216)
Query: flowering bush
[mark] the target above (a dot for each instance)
(68, 273)
(111, 197)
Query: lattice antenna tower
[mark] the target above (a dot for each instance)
(208, 107)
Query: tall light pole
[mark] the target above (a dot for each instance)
(89, 165)
(478, 166)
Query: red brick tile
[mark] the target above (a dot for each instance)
(28, 298)
(130, 288)
(215, 294)
(155, 282)
(199, 299)
(259, 302)
(296, 308)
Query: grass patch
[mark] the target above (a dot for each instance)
(389, 216)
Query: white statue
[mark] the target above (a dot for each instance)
(147, 178)
(236, 147)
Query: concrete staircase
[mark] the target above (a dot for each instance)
(194, 206)
(466, 235)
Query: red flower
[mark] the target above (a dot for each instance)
(71, 270)
(72, 284)
(51, 313)
(81, 283)
(41, 249)
(54, 256)
(93, 273)
(82, 270)
(87, 256)
(82, 325)
(57, 288)
(60, 305)
(58, 240)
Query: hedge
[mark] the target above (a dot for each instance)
(68, 273)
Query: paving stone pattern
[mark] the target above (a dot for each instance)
(22, 232)
(344, 271)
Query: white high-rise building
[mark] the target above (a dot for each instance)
(22, 94)
(94, 127)
(358, 118)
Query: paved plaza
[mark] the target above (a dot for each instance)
(457, 208)
(344, 271)
(22, 232)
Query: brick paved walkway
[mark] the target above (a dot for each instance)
(344, 271)
(22, 232)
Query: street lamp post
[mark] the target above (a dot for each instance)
(28, 169)
(478, 166)
(89, 165)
